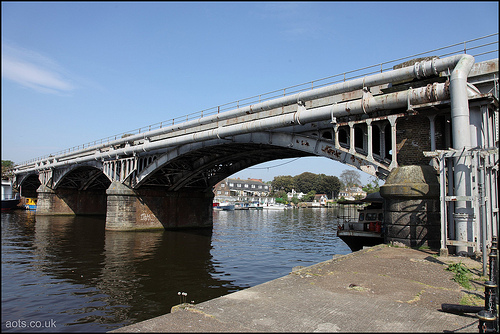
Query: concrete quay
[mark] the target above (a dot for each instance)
(377, 289)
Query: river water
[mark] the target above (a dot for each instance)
(67, 274)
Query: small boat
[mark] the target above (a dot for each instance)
(30, 203)
(241, 206)
(10, 200)
(276, 206)
(368, 228)
(225, 206)
(255, 206)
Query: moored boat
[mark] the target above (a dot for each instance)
(226, 206)
(368, 228)
(10, 200)
(255, 206)
(241, 206)
(30, 203)
(276, 206)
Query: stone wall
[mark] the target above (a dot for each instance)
(144, 209)
(70, 202)
(413, 138)
(412, 211)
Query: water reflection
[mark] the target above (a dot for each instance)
(71, 270)
(81, 275)
(250, 246)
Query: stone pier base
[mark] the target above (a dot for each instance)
(143, 209)
(412, 211)
(70, 202)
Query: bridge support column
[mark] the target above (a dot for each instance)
(412, 209)
(352, 142)
(144, 209)
(336, 130)
(70, 202)
(370, 140)
(394, 162)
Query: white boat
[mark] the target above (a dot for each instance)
(255, 206)
(10, 200)
(241, 206)
(226, 206)
(367, 229)
(276, 206)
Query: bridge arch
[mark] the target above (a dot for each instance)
(201, 165)
(80, 177)
(76, 189)
(28, 184)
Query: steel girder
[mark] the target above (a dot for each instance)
(201, 165)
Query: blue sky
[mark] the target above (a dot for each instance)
(74, 72)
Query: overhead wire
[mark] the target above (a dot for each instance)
(275, 165)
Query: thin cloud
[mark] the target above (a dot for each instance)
(281, 10)
(32, 70)
(291, 19)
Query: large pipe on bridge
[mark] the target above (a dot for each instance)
(418, 70)
(460, 121)
(396, 100)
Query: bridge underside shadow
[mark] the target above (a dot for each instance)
(172, 188)
(204, 168)
(80, 191)
(200, 166)
(176, 189)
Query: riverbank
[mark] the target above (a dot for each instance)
(382, 288)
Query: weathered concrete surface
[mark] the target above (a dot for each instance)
(380, 289)
(412, 211)
(411, 182)
(143, 209)
(70, 202)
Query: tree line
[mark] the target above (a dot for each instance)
(7, 166)
(312, 184)
(307, 183)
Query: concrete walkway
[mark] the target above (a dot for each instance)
(379, 289)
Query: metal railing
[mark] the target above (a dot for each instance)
(478, 48)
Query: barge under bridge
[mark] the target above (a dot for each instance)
(412, 114)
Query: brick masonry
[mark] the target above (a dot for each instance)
(413, 138)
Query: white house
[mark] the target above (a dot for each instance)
(351, 193)
(241, 190)
(290, 195)
(319, 200)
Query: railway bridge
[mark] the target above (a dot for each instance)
(436, 114)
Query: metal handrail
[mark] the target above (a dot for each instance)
(341, 77)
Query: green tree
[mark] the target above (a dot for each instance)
(295, 200)
(309, 197)
(326, 184)
(281, 197)
(305, 182)
(7, 166)
(372, 186)
(285, 183)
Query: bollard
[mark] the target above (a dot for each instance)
(490, 296)
(486, 322)
(488, 317)
(493, 261)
